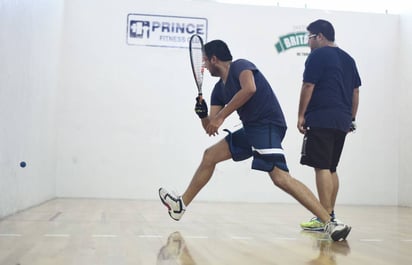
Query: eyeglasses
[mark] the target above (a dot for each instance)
(312, 36)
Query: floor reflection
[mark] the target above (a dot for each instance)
(327, 248)
(175, 251)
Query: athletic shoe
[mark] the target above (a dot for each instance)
(337, 231)
(174, 203)
(315, 224)
(337, 221)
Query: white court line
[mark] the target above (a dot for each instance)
(371, 240)
(56, 235)
(241, 237)
(10, 235)
(104, 236)
(197, 237)
(149, 236)
(285, 238)
(406, 240)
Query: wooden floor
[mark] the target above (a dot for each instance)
(120, 232)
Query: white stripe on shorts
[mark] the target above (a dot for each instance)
(269, 151)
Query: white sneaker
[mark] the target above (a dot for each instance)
(337, 231)
(339, 222)
(174, 203)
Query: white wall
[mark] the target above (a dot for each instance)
(29, 48)
(95, 117)
(405, 97)
(125, 113)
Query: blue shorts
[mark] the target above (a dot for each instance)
(263, 142)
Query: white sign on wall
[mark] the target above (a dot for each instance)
(164, 31)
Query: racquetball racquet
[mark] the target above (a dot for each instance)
(196, 61)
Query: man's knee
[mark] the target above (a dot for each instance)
(216, 153)
(208, 155)
(279, 177)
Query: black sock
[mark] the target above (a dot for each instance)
(332, 216)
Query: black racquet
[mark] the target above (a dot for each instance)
(196, 60)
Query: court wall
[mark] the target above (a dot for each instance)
(96, 116)
(126, 124)
(29, 51)
(405, 97)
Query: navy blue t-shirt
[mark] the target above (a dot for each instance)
(262, 108)
(335, 76)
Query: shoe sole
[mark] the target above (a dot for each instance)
(343, 234)
(344, 238)
(318, 229)
(164, 202)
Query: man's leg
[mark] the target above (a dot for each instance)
(335, 180)
(213, 155)
(300, 192)
(325, 186)
(337, 151)
(177, 204)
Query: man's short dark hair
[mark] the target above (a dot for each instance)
(219, 49)
(324, 27)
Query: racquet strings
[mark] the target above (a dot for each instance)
(197, 62)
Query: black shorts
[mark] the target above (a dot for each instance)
(322, 148)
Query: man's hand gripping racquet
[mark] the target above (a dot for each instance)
(198, 68)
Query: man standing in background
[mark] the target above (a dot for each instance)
(327, 109)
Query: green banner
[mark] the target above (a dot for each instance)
(292, 40)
